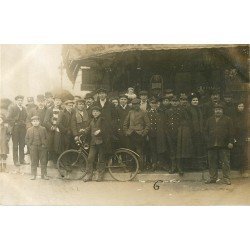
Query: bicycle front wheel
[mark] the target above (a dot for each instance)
(123, 165)
(71, 164)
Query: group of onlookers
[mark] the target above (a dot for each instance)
(170, 132)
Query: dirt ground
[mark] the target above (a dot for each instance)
(17, 189)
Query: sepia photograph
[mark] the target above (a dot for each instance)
(125, 124)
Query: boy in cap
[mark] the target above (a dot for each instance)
(16, 118)
(100, 144)
(136, 126)
(219, 138)
(36, 139)
(4, 143)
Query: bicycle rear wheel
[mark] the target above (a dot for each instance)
(123, 165)
(71, 164)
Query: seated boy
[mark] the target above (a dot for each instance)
(36, 139)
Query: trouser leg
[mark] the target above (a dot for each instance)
(101, 159)
(15, 144)
(91, 159)
(21, 142)
(224, 156)
(34, 158)
(213, 161)
(153, 150)
(43, 160)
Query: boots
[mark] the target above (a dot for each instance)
(3, 166)
(88, 177)
(100, 176)
(33, 177)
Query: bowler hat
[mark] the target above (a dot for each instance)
(40, 98)
(88, 96)
(19, 97)
(48, 94)
(80, 100)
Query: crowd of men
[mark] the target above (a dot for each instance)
(169, 132)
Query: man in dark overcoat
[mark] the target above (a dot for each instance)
(50, 122)
(156, 134)
(16, 118)
(136, 126)
(219, 137)
(64, 125)
(122, 112)
(40, 111)
(173, 122)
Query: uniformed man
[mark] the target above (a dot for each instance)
(219, 138)
(156, 133)
(17, 116)
(173, 120)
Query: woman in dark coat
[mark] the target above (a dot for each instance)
(239, 151)
(191, 143)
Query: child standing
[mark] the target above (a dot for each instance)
(36, 139)
(100, 144)
(4, 146)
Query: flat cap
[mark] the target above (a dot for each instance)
(153, 100)
(69, 101)
(143, 92)
(102, 90)
(136, 101)
(30, 99)
(175, 99)
(168, 91)
(35, 117)
(48, 94)
(123, 96)
(218, 106)
(96, 108)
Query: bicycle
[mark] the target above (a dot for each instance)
(123, 164)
